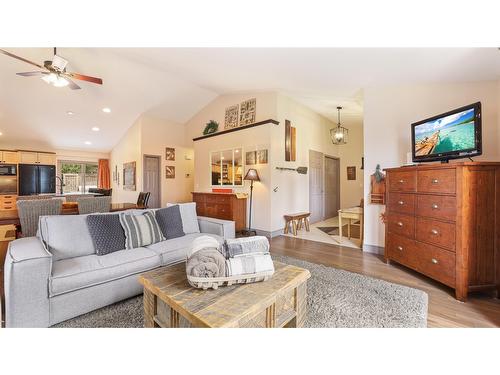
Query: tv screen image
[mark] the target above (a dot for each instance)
(451, 135)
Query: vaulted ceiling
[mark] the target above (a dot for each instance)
(175, 83)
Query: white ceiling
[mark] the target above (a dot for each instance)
(175, 83)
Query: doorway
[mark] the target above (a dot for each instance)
(332, 187)
(324, 186)
(152, 178)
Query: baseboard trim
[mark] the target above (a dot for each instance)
(373, 249)
(269, 234)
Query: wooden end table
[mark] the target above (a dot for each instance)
(169, 301)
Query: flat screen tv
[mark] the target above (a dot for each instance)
(451, 135)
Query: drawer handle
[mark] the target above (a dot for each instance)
(434, 232)
(401, 203)
(435, 206)
(401, 181)
(435, 181)
(400, 224)
(400, 248)
(433, 260)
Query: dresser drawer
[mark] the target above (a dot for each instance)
(402, 181)
(402, 250)
(402, 225)
(402, 203)
(437, 263)
(437, 206)
(436, 181)
(224, 211)
(215, 198)
(436, 233)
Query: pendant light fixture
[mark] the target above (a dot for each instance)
(339, 133)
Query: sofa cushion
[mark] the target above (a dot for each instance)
(106, 232)
(189, 217)
(66, 236)
(140, 230)
(170, 221)
(81, 272)
(175, 250)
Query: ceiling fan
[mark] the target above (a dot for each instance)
(54, 72)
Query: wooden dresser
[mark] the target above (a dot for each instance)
(224, 206)
(443, 221)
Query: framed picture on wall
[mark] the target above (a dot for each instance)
(351, 173)
(169, 171)
(262, 157)
(170, 154)
(129, 176)
(247, 111)
(251, 158)
(231, 117)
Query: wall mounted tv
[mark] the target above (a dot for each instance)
(451, 135)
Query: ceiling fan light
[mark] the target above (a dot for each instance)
(61, 82)
(50, 78)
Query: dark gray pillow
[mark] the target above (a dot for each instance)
(107, 233)
(170, 221)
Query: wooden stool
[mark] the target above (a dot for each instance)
(297, 220)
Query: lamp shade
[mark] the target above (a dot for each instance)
(252, 175)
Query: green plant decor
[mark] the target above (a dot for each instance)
(379, 176)
(212, 127)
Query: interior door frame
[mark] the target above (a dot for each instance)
(144, 156)
(322, 216)
(325, 156)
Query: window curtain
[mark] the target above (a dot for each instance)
(103, 174)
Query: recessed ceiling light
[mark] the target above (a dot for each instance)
(70, 113)
(95, 128)
(1, 133)
(106, 110)
(88, 142)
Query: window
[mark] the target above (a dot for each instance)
(78, 177)
(227, 167)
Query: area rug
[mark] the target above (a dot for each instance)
(336, 298)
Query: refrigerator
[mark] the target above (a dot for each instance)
(37, 179)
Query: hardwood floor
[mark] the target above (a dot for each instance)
(480, 310)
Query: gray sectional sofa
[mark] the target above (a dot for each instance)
(57, 275)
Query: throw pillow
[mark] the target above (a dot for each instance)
(189, 217)
(170, 221)
(140, 230)
(106, 232)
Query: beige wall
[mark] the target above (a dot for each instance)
(292, 189)
(257, 138)
(388, 113)
(127, 150)
(157, 134)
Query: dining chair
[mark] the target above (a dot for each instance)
(106, 192)
(92, 205)
(143, 199)
(30, 210)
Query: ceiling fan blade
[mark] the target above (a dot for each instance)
(20, 58)
(31, 74)
(84, 78)
(72, 85)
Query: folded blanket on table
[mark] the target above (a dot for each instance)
(246, 245)
(208, 262)
(242, 265)
(203, 242)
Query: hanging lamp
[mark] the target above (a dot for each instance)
(339, 134)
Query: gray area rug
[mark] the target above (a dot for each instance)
(336, 298)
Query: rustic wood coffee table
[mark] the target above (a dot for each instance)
(169, 301)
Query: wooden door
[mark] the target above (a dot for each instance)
(26, 157)
(152, 165)
(332, 187)
(46, 159)
(316, 186)
(9, 157)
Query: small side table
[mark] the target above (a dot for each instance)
(353, 213)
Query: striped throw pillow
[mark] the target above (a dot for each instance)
(140, 230)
